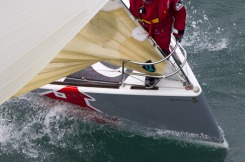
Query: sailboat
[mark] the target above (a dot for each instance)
(92, 54)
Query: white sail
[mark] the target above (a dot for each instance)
(33, 32)
(43, 41)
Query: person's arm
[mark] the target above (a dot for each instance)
(179, 14)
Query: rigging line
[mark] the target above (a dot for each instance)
(136, 78)
(174, 64)
(102, 70)
(90, 80)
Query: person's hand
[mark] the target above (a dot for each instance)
(178, 37)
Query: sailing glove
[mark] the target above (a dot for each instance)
(178, 34)
(178, 37)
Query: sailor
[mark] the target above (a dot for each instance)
(160, 18)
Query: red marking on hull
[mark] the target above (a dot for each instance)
(73, 95)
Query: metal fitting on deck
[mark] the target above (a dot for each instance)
(196, 89)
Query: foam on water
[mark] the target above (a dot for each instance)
(35, 126)
(184, 139)
(203, 34)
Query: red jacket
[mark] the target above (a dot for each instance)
(168, 12)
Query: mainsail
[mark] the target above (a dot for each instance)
(44, 40)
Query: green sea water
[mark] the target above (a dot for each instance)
(34, 128)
